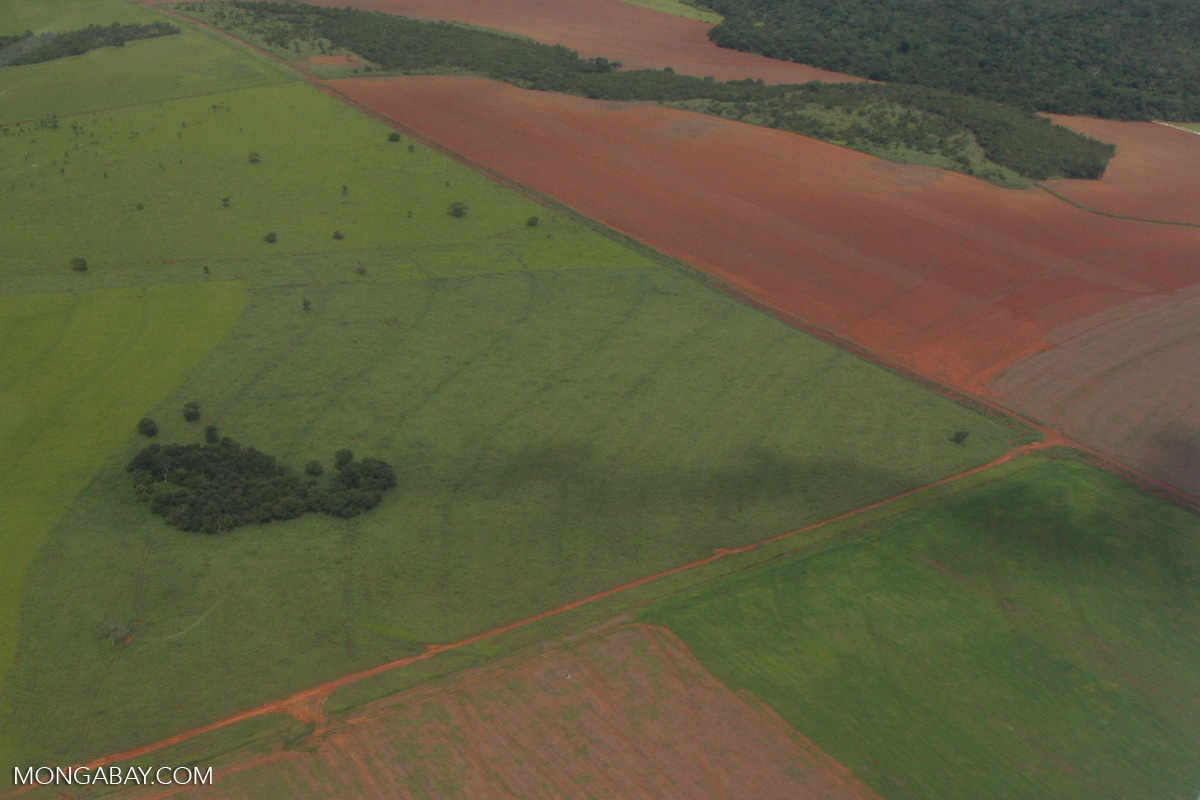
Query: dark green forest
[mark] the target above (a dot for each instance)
(30, 48)
(965, 134)
(218, 486)
(1121, 59)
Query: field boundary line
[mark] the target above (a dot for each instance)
(1176, 127)
(1082, 207)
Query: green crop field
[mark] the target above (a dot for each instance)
(322, 167)
(193, 63)
(76, 373)
(680, 9)
(556, 433)
(1032, 638)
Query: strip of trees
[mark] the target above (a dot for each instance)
(31, 48)
(876, 118)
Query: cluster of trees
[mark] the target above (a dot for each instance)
(216, 487)
(874, 117)
(1123, 59)
(30, 48)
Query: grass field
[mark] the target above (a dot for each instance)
(193, 63)
(556, 433)
(1032, 638)
(76, 373)
(322, 167)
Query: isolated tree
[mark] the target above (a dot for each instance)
(532, 222)
(314, 468)
(393, 137)
(211, 434)
(306, 304)
(345, 190)
(191, 411)
(271, 238)
(225, 202)
(960, 436)
(412, 148)
(147, 427)
(140, 206)
(254, 158)
(79, 264)
(339, 235)
(457, 209)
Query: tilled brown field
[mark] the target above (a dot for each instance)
(1155, 175)
(629, 714)
(637, 37)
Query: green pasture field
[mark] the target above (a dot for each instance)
(679, 9)
(180, 159)
(1191, 126)
(1032, 638)
(556, 433)
(76, 373)
(193, 63)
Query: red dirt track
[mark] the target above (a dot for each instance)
(950, 276)
(1155, 175)
(629, 714)
(637, 37)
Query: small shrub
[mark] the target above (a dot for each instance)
(393, 137)
(147, 427)
(255, 158)
(457, 209)
(140, 207)
(271, 238)
(960, 436)
(412, 148)
(341, 458)
(225, 202)
(191, 411)
(532, 222)
(339, 235)
(79, 264)
(314, 468)
(212, 435)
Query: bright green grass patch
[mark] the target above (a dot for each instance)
(556, 433)
(1191, 126)
(322, 167)
(193, 63)
(679, 9)
(76, 373)
(1033, 638)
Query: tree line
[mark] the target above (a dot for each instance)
(1120, 59)
(31, 48)
(877, 118)
(218, 486)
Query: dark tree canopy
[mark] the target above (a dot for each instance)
(34, 49)
(217, 487)
(1124, 59)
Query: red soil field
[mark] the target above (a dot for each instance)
(1126, 381)
(953, 277)
(629, 714)
(1155, 174)
(637, 37)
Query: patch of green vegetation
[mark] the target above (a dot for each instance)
(210, 177)
(196, 62)
(680, 9)
(39, 16)
(35, 48)
(554, 434)
(1032, 638)
(1106, 58)
(982, 138)
(76, 372)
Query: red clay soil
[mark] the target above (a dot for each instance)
(1126, 381)
(952, 277)
(637, 37)
(630, 714)
(1155, 174)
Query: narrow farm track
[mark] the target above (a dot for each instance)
(307, 705)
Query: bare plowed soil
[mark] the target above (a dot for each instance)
(1126, 382)
(637, 37)
(1155, 174)
(948, 275)
(627, 715)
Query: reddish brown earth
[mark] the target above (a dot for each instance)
(637, 37)
(630, 714)
(953, 277)
(1155, 174)
(1126, 381)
